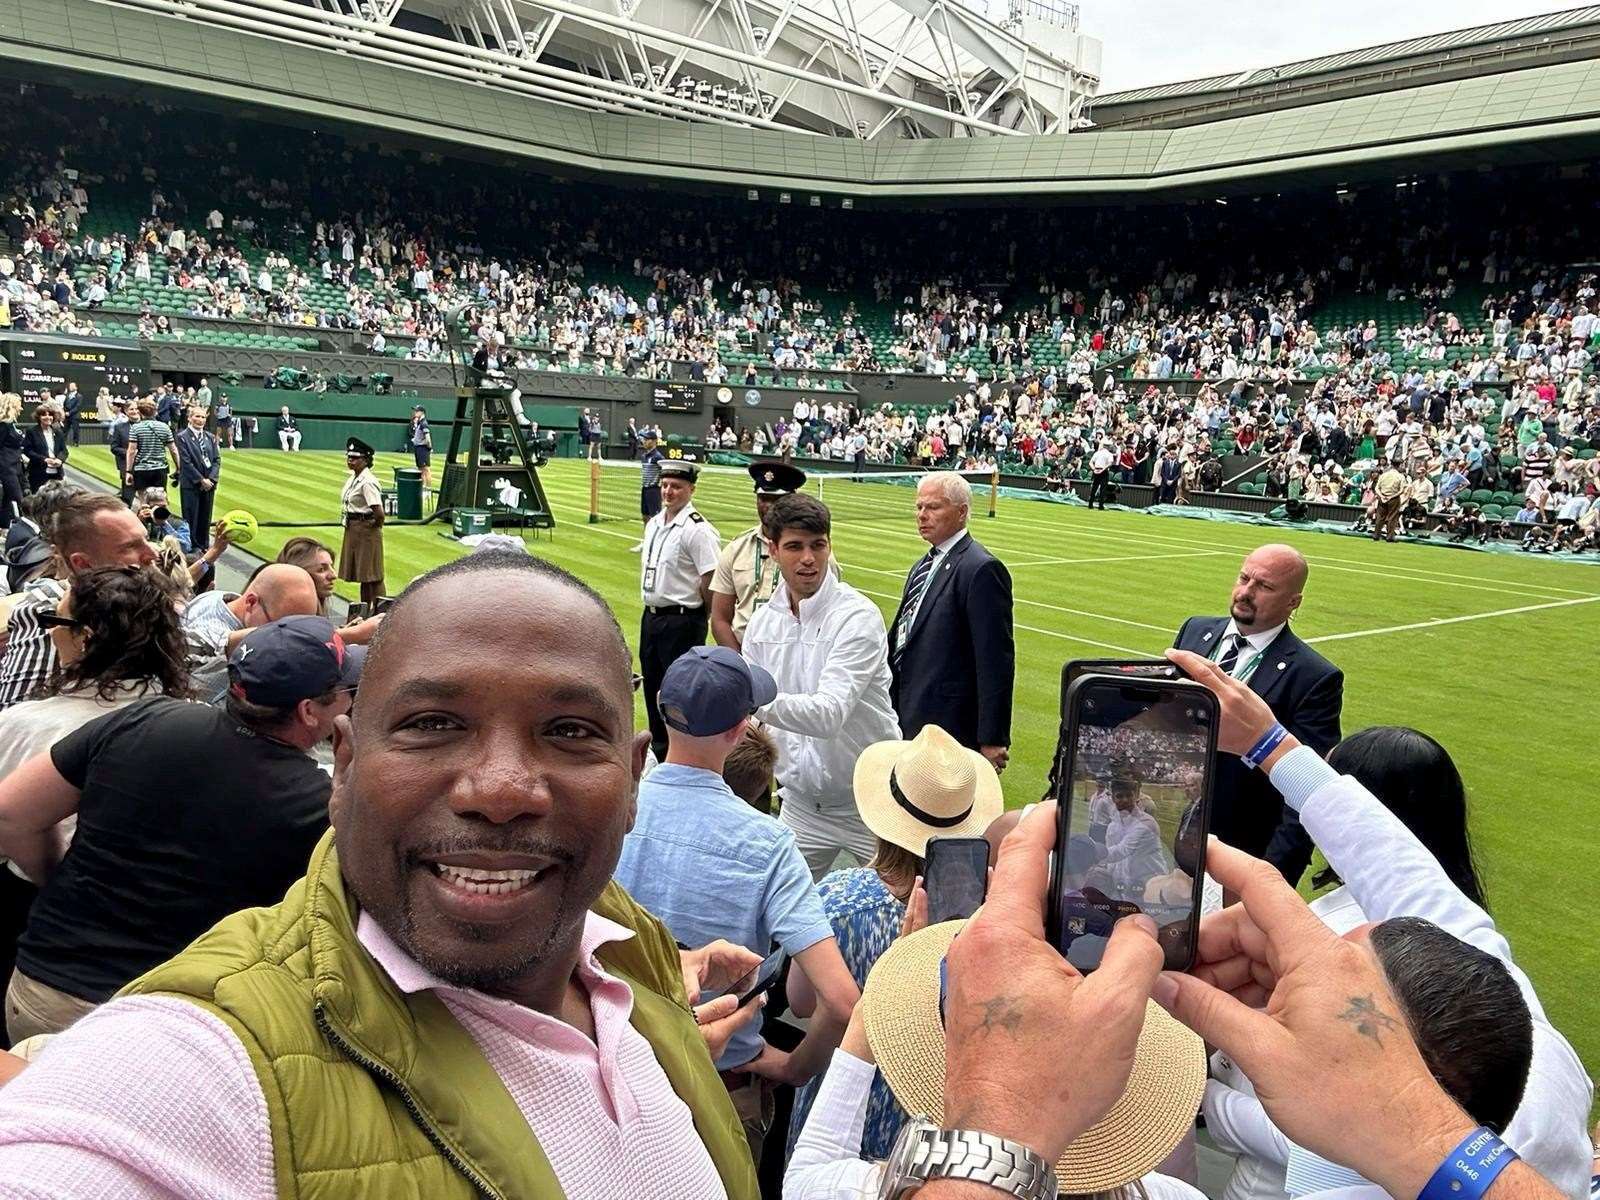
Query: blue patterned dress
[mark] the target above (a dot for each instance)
(866, 919)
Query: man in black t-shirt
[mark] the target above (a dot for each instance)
(185, 813)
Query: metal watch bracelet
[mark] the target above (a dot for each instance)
(924, 1152)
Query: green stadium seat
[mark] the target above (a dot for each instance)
(1492, 512)
(1501, 498)
(1481, 496)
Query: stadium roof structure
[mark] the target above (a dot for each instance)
(1546, 111)
(1565, 36)
(861, 69)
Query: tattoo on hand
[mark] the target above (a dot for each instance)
(1369, 1020)
(1000, 1013)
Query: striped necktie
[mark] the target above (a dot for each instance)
(1230, 656)
(915, 586)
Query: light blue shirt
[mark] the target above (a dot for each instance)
(710, 866)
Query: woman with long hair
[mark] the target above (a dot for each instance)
(1416, 779)
(10, 459)
(117, 639)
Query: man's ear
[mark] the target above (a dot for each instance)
(343, 752)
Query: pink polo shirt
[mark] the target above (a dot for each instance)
(152, 1097)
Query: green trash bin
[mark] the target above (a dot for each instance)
(465, 522)
(408, 493)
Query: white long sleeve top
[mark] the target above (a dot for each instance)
(1387, 873)
(831, 664)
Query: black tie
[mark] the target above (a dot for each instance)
(1230, 656)
(915, 586)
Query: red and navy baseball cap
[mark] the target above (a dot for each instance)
(293, 659)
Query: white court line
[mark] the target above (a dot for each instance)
(1503, 612)
(1050, 562)
(1066, 637)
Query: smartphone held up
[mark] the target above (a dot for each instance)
(1134, 779)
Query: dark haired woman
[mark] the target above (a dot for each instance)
(117, 639)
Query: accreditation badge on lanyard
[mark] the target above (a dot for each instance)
(763, 594)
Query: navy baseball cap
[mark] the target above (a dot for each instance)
(711, 689)
(293, 659)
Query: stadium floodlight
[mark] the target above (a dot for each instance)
(639, 78)
(816, 201)
(759, 34)
(847, 202)
(784, 197)
(752, 194)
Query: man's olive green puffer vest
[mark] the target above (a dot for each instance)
(373, 1093)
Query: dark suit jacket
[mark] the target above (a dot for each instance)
(198, 458)
(1306, 692)
(960, 661)
(33, 446)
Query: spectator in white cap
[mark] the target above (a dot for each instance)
(710, 866)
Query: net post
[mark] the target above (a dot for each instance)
(594, 491)
(994, 490)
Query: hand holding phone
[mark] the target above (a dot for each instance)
(1134, 807)
(956, 877)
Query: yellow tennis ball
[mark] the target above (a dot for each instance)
(239, 525)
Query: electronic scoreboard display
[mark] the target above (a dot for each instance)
(675, 397)
(38, 365)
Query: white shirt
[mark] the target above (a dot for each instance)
(677, 552)
(831, 664)
(827, 1163)
(1387, 873)
(1102, 460)
(939, 564)
(1255, 643)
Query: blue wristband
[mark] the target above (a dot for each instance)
(1268, 743)
(1470, 1168)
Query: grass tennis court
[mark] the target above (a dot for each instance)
(1491, 654)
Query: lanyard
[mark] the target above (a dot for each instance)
(760, 569)
(658, 543)
(1249, 667)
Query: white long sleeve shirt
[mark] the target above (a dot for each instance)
(1387, 873)
(831, 664)
(827, 1164)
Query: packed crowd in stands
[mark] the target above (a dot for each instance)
(1055, 355)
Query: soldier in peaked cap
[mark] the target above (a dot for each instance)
(361, 510)
(746, 573)
(679, 555)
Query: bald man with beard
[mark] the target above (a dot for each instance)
(1255, 645)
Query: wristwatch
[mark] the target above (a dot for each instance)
(924, 1152)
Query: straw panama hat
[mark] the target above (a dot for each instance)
(904, 1029)
(931, 786)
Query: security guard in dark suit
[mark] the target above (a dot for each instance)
(678, 557)
(1255, 645)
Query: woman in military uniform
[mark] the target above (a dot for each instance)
(361, 508)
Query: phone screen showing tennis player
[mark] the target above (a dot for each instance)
(956, 877)
(1134, 808)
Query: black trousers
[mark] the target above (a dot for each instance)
(663, 638)
(1097, 487)
(197, 506)
(10, 497)
(145, 479)
(16, 897)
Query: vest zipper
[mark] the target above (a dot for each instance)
(374, 1067)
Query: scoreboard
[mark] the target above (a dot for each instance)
(44, 364)
(675, 397)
